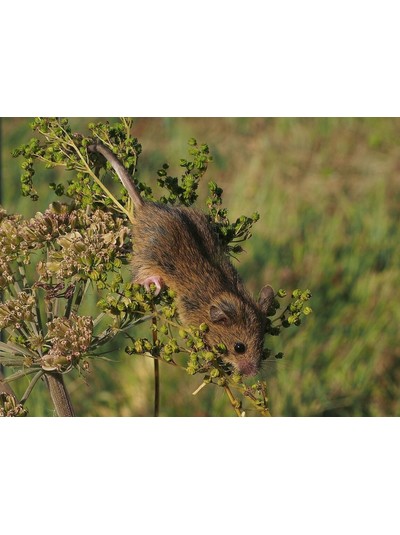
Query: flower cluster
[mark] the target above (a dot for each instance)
(70, 340)
(57, 220)
(201, 359)
(15, 311)
(91, 251)
(10, 407)
(183, 190)
(9, 245)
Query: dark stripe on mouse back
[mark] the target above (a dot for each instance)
(195, 232)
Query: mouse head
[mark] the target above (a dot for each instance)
(239, 323)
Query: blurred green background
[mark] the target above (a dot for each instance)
(328, 193)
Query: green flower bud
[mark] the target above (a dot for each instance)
(236, 377)
(305, 296)
(191, 369)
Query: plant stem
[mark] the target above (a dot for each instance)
(59, 394)
(156, 387)
(31, 386)
(233, 400)
(5, 387)
(156, 372)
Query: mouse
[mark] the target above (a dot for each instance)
(177, 247)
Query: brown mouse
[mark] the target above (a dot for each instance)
(177, 247)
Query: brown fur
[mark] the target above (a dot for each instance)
(179, 246)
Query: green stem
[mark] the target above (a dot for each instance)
(5, 387)
(59, 394)
(156, 372)
(156, 387)
(233, 400)
(96, 179)
(31, 386)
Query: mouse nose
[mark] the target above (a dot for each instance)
(247, 368)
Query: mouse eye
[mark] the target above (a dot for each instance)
(240, 347)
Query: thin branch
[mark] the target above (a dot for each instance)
(31, 386)
(5, 387)
(156, 372)
(233, 400)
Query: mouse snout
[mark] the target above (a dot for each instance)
(247, 368)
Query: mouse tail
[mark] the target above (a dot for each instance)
(122, 173)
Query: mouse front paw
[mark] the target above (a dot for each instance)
(157, 281)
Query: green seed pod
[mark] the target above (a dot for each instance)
(214, 373)
(305, 296)
(266, 354)
(138, 346)
(194, 357)
(275, 331)
(191, 369)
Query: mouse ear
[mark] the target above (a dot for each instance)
(266, 298)
(217, 315)
(221, 313)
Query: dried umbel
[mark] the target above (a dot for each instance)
(9, 245)
(10, 407)
(57, 220)
(70, 340)
(15, 311)
(88, 251)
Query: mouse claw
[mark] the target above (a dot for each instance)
(157, 281)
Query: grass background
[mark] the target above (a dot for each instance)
(328, 193)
